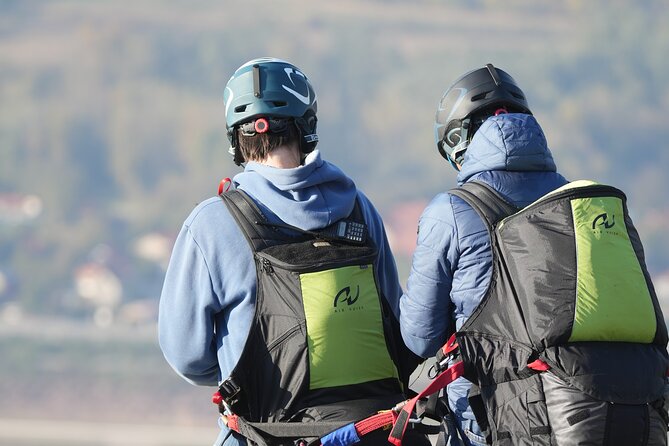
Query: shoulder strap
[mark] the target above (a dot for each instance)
(249, 218)
(486, 201)
(356, 214)
(253, 223)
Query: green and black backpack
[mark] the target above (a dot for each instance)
(321, 346)
(568, 346)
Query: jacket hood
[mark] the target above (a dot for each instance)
(508, 142)
(311, 196)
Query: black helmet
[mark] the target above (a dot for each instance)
(471, 99)
(276, 91)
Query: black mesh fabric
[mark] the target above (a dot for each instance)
(273, 370)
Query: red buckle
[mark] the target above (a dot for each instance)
(538, 365)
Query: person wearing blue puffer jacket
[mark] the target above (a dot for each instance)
(208, 301)
(485, 129)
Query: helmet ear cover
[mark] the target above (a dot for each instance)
(236, 153)
(460, 132)
(468, 102)
(306, 127)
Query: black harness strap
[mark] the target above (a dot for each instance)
(250, 218)
(258, 231)
(262, 234)
(486, 201)
(315, 429)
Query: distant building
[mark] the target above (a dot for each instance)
(154, 247)
(98, 285)
(401, 226)
(16, 209)
(139, 312)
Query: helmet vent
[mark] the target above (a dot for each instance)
(241, 108)
(480, 96)
(279, 103)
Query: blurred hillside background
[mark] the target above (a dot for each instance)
(112, 129)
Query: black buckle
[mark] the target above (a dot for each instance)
(275, 126)
(229, 390)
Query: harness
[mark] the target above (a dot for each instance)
(408, 414)
(569, 302)
(512, 363)
(320, 352)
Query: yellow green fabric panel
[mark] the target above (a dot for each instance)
(573, 185)
(344, 327)
(613, 302)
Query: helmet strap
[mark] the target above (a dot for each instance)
(457, 154)
(306, 129)
(233, 150)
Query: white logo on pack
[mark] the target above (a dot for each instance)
(302, 98)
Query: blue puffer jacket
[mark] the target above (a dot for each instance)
(452, 263)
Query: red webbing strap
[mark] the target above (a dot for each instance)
(245, 429)
(233, 422)
(450, 346)
(369, 424)
(442, 380)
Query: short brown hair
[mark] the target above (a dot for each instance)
(258, 147)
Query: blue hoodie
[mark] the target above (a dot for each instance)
(208, 297)
(452, 263)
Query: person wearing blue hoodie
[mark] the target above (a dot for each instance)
(209, 295)
(485, 129)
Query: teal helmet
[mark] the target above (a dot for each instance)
(266, 94)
